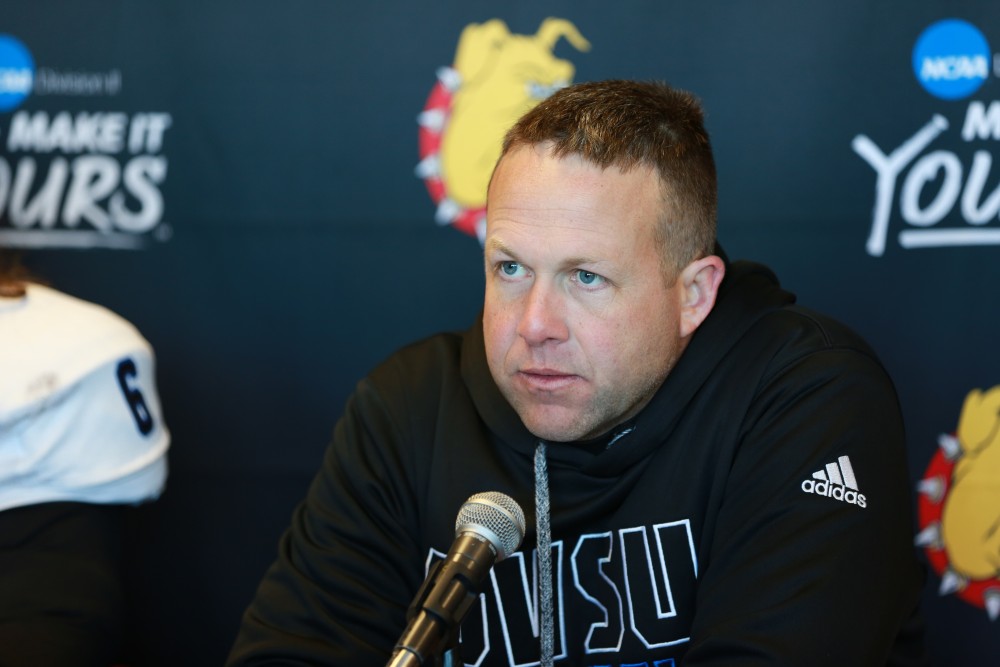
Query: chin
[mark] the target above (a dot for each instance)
(555, 430)
(552, 423)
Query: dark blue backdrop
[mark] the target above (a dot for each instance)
(294, 245)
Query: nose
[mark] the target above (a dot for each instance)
(543, 317)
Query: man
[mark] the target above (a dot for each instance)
(81, 435)
(721, 471)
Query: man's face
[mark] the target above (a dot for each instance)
(580, 324)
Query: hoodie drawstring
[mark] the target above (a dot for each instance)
(544, 554)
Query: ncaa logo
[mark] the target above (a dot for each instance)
(951, 59)
(17, 72)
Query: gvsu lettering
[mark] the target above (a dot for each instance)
(629, 593)
(107, 195)
(935, 185)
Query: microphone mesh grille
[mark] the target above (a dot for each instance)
(496, 517)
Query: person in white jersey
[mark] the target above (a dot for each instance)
(81, 436)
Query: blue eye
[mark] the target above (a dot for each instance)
(588, 278)
(510, 268)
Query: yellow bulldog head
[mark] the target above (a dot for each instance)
(970, 522)
(500, 77)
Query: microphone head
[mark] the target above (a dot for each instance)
(495, 517)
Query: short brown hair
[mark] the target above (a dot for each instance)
(631, 123)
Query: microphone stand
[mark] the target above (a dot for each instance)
(447, 654)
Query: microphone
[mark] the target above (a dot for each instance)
(489, 527)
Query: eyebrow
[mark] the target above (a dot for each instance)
(494, 245)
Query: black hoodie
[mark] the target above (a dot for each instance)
(756, 511)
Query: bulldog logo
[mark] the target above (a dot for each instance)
(496, 77)
(959, 505)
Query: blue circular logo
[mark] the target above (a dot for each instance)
(951, 59)
(17, 72)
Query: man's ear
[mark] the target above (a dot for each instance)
(700, 282)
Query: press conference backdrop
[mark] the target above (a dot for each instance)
(280, 194)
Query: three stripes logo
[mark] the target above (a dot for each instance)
(836, 481)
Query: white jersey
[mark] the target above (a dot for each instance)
(80, 417)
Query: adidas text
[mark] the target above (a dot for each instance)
(835, 491)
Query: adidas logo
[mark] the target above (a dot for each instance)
(836, 481)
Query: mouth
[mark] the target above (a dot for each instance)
(546, 379)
